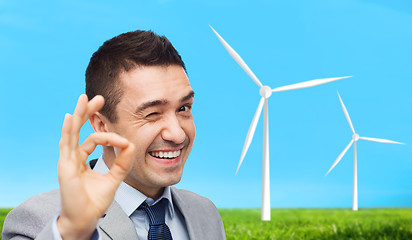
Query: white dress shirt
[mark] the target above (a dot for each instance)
(130, 199)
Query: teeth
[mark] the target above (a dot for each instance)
(170, 155)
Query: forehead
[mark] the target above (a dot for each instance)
(150, 83)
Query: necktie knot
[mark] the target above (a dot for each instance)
(158, 228)
(155, 212)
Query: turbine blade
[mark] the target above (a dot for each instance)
(251, 132)
(307, 84)
(346, 114)
(238, 59)
(380, 140)
(340, 156)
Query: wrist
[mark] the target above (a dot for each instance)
(76, 230)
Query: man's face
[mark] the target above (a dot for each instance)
(154, 113)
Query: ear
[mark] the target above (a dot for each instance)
(98, 122)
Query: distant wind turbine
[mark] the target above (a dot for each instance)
(355, 138)
(265, 93)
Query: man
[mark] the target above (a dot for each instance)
(140, 108)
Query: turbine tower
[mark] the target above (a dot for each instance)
(265, 93)
(355, 138)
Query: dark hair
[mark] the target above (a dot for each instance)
(123, 53)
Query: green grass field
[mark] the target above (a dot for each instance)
(313, 224)
(3, 213)
(319, 224)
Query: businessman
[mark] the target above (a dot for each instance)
(139, 103)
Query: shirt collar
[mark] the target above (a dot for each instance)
(130, 198)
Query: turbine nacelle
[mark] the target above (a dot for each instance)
(355, 137)
(265, 92)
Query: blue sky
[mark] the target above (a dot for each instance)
(45, 47)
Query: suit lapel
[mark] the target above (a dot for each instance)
(187, 213)
(117, 225)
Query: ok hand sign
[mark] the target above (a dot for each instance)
(85, 194)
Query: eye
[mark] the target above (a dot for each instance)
(185, 108)
(152, 114)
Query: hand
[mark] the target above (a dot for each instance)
(85, 194)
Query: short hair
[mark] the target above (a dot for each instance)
(122, 54)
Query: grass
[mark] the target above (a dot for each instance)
(312, 224)
(3, 213)
(318, 224)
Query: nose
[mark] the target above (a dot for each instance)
(173, 131)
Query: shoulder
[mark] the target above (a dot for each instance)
(202, 217)
(43, 205)
(189, 195)
(30, 217)
(191, 199)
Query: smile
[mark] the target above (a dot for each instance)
(165, 154)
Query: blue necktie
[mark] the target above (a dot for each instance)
(158, 228)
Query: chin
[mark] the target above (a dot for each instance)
(171, 180)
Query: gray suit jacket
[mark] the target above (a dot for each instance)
(33, 218)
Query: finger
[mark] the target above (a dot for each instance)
(64, 146)
(78, 115)
(66, 134)
(83, 111)
(123, 164)
(94, 105)
(105, 139)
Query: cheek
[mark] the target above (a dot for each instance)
(144, 135)
(190, 129)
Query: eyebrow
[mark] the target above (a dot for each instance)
(188, 96)
(160, 102)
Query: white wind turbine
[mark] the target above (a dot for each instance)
(265, 92)
(355, 138)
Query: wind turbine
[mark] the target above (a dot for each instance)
(355, 138)
(265, 93)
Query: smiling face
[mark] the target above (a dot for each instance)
(155, 114)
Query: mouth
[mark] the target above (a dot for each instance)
(165, 154)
